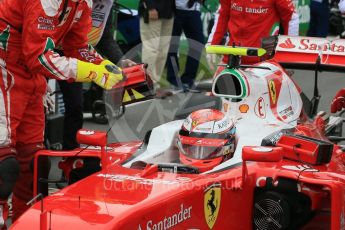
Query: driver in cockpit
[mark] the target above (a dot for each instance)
(206, 139)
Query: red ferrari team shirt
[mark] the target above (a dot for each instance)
(248, 21)
(30, 30)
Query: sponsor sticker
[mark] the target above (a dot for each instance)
(87, 55)
(178, 217)
(98, 19)
(311, 45)
(45, 27)
(47, 21)
(287, 112)
(260, 108)
(250, 10)
(212, 199)
(287, 44)
(244, 108)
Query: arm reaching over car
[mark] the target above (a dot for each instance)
(106, 74)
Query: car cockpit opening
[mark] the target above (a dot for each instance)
(230, 84)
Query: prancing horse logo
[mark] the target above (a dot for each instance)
(211, 204)
(273, 91)
(212, 198)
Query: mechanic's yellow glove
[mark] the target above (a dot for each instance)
(106, 74)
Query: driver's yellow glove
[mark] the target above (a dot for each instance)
(106, 74)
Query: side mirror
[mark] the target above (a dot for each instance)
(305, 149)
(95, 138)
(259, 154)
(91, 137)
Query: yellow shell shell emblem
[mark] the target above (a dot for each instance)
(212, 198)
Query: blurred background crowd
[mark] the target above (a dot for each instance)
(173, 33)
(191, 22)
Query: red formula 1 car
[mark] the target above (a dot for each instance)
(285, 173)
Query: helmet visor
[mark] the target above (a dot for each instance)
(202, 152)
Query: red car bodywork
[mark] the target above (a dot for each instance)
(122, 198)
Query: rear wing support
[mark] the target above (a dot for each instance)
(316, 97)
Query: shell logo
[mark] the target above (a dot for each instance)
(244, 108)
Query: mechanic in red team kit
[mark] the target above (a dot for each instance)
(101, 37)
(29, 32)
(249, 21)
